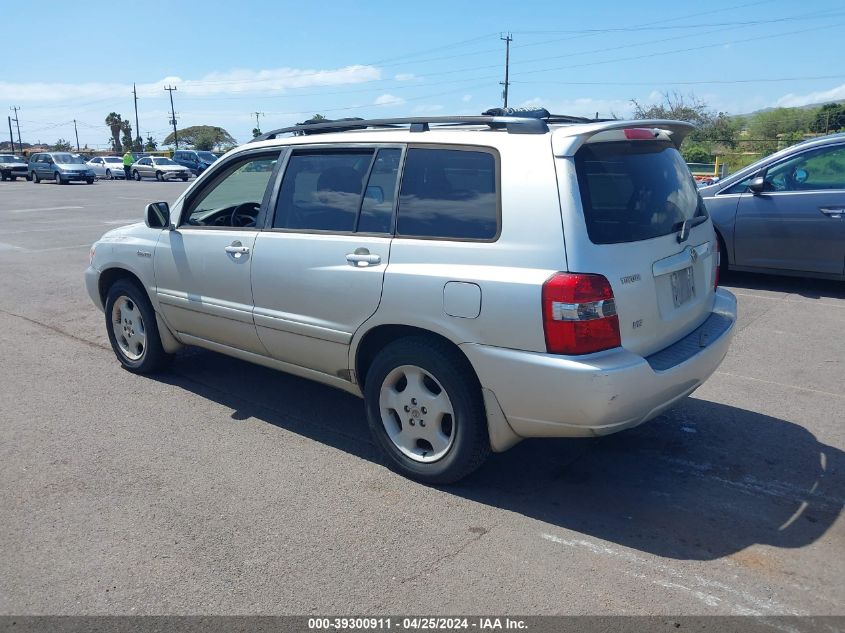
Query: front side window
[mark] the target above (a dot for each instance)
(234, 197)
(632, 191)
(449, 194)
(814, 170)
(322, 190)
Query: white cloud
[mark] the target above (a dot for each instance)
(218, 83)
(405, 77)
(793, 100)
(388, 100)
(466, 98)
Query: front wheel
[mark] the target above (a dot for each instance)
(159, 176)
(3, 175)
(132, 329)
(90, 181)
(136, 175)
(425, 410)
(35, 178)
(108, 175)
(58, 178)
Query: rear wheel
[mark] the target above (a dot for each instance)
(90, 181)
(136, 175)
(723, 257)
(108, 175)
(3, 175)
(132, 329)
(35, 178)
(159, 176)
(425, 410)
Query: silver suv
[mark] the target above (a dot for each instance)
(477, 280)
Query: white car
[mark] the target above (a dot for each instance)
(477, 280)
(108, 167)
(13, 167)
(160, 169)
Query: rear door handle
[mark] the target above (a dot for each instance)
(833, 212)
(362, 257)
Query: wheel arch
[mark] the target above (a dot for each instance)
(110, 276)
(500, 433)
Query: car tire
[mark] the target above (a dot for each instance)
(90, 181)
(444, 397)
(132, 329)
(723, 257)
(136, 175)
(184, 180)
(2, 175)
(58, 178)
(13, 178)
(159, 176)
(109, 175)
(35, 179)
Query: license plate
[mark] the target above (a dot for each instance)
(683, 286)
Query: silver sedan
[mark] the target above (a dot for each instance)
(785, 214)
(109, 167)
(159, 168)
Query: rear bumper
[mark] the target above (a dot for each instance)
(545, 395)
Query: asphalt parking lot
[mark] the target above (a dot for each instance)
(226, 488)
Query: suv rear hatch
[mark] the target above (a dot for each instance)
(632, 213)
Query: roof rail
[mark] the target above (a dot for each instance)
(514, 125)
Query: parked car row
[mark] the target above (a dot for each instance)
(65, 167)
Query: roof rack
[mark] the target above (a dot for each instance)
(514, 125)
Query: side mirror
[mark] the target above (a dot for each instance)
(757, 185)
(157, 215)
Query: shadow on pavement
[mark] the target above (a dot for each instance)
(703, 481)
(802, 286)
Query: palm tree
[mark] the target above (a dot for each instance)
(115, 123)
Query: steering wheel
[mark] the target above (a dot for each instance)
(244, 215)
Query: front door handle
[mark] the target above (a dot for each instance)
(237, 249)
(833, 212)
(362, 257)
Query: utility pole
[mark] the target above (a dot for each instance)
(18, 125)
(507, 39)
(77, 135)
(11, 136)
(173, 115)
(137, 125)
(258, 127)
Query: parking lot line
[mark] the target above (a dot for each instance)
(780, 384)
(42, 209)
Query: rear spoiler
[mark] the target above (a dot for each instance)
(566, 140)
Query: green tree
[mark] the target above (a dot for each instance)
(715, 131)
(204, 141)
(127, 140)
(829, 118)
(770, 129)
(150, 145)
(115, 123)
(188, 136)
(61, 146)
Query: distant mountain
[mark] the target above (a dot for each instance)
(809, 106)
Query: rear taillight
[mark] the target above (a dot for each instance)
(579, 314)
(718, 260)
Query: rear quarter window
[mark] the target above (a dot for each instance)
(633, 191)
(449, 194)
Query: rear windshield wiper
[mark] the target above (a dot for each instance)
(683, 228)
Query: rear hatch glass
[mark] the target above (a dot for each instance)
(648, 233)
(635, 191)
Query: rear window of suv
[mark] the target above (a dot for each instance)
(633, 191)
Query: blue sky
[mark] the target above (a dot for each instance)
(376, 59)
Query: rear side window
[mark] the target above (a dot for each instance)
(449, 194)
(634, 191)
